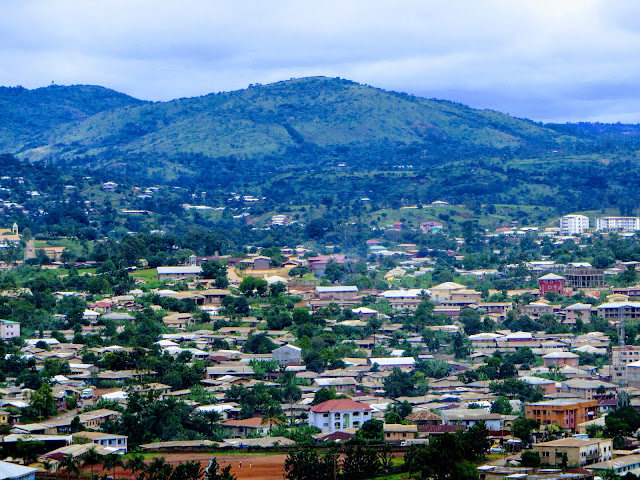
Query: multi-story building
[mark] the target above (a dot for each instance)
(579, 451)
(625, 310)
(623, 224)
(336, 415)
(620, 358)
(9, 329)
(551, 283)
(574, 224)
(566, 413)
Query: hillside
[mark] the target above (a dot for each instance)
(323, 115)
(30, 117)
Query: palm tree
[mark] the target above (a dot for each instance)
(136, 464)
(112, 461)
(70, 464)
(213, 419)
(159, 469)
(48, 466)
(271, 413)
(91, 457)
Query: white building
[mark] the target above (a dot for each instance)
(573, 224)
(112, 442)
(18, 472)
(336, 415)
(9, 329)
(624, 224)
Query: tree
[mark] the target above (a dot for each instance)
(258, 344)
(502, 406)
(42, 404)
(299, 271)
(111, 461)
(214, 472)
(91, 457)
(215, 271)
(325, 394)
(29, 450)
(372, 430)
(272, 413)
(48, 467)
(309, 465)
(360, 463)
(70, 464)
(334, 271)
(462, 347)
(399, 384)
(530, 459)
(136, 464)
(522, 428)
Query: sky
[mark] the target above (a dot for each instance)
(547, 60)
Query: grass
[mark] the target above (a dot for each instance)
(149, 275)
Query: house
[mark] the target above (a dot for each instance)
(178, 320)
(115, 443)
(12, 471)
(319, 264)
(566, 413)
(9, 329)
(287, 354)
(551, 283)
(587, 389)
(559, 359)
(620, 466)
(578, 451)
(334, 415)
(54, 253)
(347, 292)
(247, 427)
(261, 263)
(340, 384)
(443, 291)
(577, 311)
(397, 433)
(470, 416)
(177, 273)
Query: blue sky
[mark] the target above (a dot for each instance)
(561, 60)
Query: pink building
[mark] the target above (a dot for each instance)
(9, 329)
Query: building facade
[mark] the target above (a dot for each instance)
(574, 224)
(622, 224)
(335, 415)
(9, 329)
(566, 413)
(579, 451)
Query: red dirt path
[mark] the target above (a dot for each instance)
(263, 467)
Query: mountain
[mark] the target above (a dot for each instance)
(322, 115)
(30, 118)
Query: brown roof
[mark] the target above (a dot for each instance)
(423, 416)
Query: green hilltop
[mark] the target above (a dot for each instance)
(263, 120)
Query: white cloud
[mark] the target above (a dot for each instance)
(534, 58)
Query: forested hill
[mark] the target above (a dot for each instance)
(321, 118)
(30, 118)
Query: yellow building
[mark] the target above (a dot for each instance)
(579, 451)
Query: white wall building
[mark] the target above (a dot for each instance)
(573, 224)
(336, 415)
(624, 224)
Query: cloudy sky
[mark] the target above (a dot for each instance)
(548, 60)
